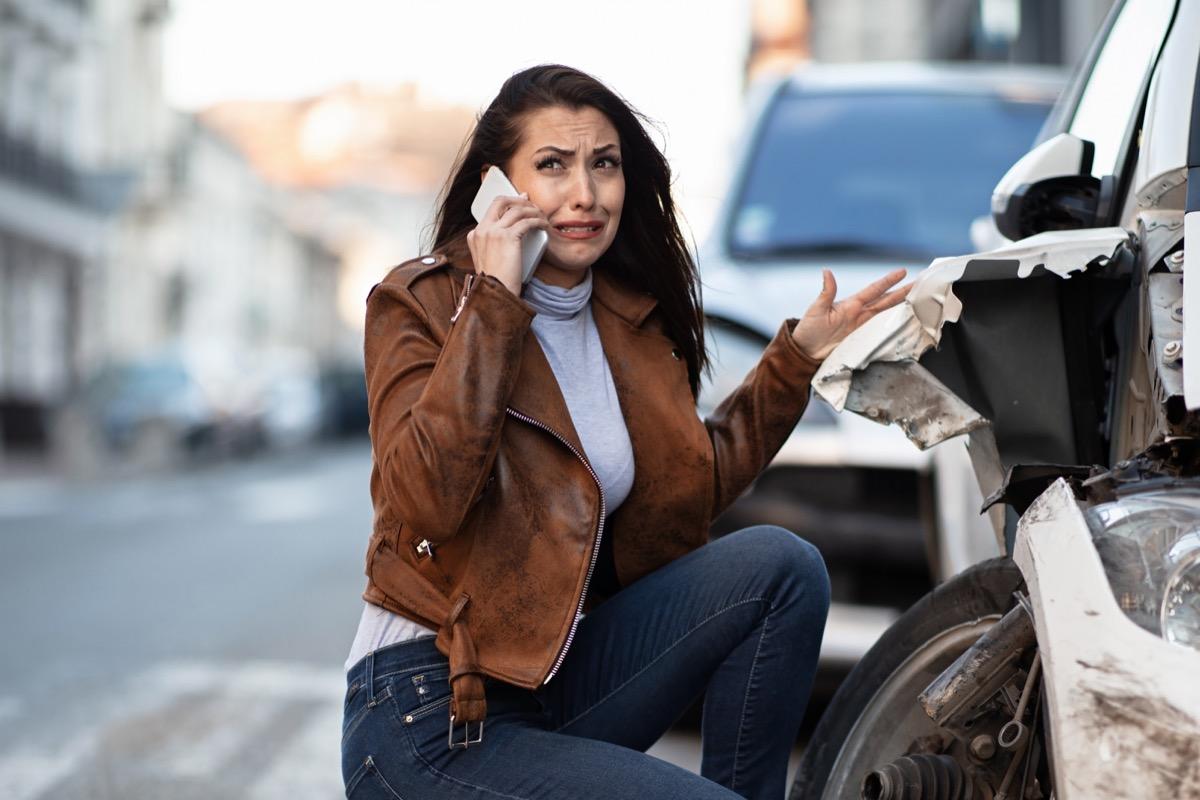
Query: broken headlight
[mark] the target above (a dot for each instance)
(1150, 547)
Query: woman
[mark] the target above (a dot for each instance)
(541, 604)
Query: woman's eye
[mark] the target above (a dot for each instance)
(608, 163)
(550, 161)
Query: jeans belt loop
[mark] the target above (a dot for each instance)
(370, 679)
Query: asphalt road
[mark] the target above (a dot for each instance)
(182, 635)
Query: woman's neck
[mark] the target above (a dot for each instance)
(555, 276)
(558, 302)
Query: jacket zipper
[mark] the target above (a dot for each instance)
(562, 654)
(462, 298)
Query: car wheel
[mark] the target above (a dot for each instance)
(875, 718)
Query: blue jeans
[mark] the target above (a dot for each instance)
(739, 620)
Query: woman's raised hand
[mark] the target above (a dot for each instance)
(495, 243)
(826, 322)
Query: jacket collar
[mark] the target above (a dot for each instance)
(627, 303)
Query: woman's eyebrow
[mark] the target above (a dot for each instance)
(562, 151)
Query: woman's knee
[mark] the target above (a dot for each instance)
(770, 549)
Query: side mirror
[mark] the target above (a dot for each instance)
(1050, 188)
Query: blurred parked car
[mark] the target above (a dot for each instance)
(285, 396)
(149, 405)
(861, 169)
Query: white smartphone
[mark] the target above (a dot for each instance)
(533, 245)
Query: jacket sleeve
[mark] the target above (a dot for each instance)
(436, 410)
(752, 423)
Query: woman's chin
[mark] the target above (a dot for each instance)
(574, 256)
(570, 262)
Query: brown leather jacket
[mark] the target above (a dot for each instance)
(487, 513)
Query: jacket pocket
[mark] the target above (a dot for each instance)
(423, 555)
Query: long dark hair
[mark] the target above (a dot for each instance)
(649, 252)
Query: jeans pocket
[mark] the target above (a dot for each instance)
(428, 732)
(425, 687)
(368, 783)
(419, 713)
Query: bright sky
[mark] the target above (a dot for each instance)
(679, 61)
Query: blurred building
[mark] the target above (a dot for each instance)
(128, 229)
(78, 112)
(1018, 31)
(361, 168)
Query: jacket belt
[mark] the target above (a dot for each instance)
(467, 701)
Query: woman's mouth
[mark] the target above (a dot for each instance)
(579, 230)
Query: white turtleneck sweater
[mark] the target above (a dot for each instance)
(567, 333)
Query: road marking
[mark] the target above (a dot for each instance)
(231, 707)
(25, 773)
(196, 724)
(259, 730)
(204, 741)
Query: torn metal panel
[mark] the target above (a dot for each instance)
(910, 396)
(906, 331)
(874, 371)
(1126, 703)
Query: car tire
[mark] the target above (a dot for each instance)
(876, 709)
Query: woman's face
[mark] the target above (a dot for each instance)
(569, 163)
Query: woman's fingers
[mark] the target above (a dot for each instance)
(892, 298)
(524, 226)
(495, 242)
(516, 213)
(876, 289)
(501, 204)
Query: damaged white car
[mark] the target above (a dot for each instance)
(1067, 668)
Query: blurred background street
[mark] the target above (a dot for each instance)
(181, 635)
(195, 198)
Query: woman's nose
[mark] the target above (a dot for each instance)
(583, 192)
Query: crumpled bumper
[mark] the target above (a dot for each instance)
(1124, 704)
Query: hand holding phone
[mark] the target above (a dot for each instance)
(533, 239)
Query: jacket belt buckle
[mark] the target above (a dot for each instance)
(466, 740)
(425, 548)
